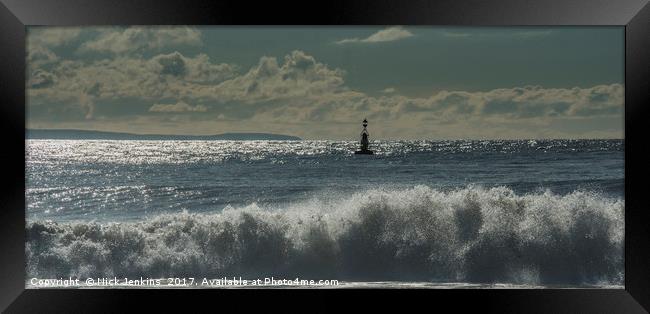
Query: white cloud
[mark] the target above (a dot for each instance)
(299, 76)
(299, 88)
(195, 70)
(163, 76)
(40, 42)
(389, 34)
(38, 56)
(519, 102)
(528, 34)
(295, 90)
(52, 36)
(137, 39)
(530, 103)
(40, 79)
(177, 108)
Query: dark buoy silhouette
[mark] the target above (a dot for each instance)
(364, 141)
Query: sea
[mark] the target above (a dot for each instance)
(416, 214)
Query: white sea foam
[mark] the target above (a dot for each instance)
(473, 235)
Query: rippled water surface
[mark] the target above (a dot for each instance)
(476, 214)
(134, 179)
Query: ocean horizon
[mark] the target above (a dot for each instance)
(462, 213)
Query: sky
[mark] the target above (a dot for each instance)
(321, 82)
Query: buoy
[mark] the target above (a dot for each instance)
(365, 142)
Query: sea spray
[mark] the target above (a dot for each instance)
(470, 234)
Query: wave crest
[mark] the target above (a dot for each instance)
(471, 234)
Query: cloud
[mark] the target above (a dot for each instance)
(138, 39)
(88, 105)
(40, 42)
(52, 36)
(162, 76)
(177, 108)
(282, 94)
(40, 79)
(389, 34)
(198, 69)
(172, 64)
(38, 56)
(300, 76)
(528, 34)
(300, 88)
(521, 102)
(529, 103)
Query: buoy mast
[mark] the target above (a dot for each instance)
(365, 142)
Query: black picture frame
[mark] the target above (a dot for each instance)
(634, 15)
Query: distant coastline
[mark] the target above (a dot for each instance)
(71, 134)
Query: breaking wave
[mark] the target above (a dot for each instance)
(472, 234)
